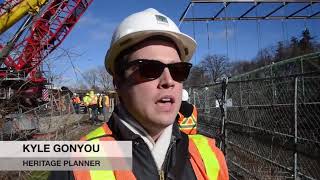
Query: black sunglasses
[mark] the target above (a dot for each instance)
(152, 69)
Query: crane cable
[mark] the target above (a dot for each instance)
(310, 11)
(284, 26)
(194, 32)
(208, 37)
(226, 28)
(73, 67)
(235, 40)
(258, 32)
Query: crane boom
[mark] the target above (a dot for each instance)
(13, 10)
(47, 33)
(21, 58)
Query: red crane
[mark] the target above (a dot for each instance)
(22, 57)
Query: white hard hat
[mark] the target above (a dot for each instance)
(139, 26)
(185, 95)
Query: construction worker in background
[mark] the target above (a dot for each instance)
(86, 102)
(106, 106)
(76, 103)
(148, 59)
(188, 115)
(93, 105)
(100, 106)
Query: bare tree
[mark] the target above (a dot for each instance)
(215, 65)
(306, 43)
(241, 67)
(281, 52)
(197, 77)
(91, 77)
(98, 79)
(104, 79)
(265, 56)
(55, 66)
(79, 86)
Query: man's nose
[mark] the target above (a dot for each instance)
(166, 80)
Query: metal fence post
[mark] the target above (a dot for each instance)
(1, 132)
(273, 89)
(295, 126)
(51, 103)
(240, 93)
(302, 71)
(194, 96)
(206, 103)
(224, 115)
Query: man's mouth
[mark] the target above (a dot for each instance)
(166, 99)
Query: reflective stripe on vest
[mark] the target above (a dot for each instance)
(101, 175)
(188, 125)
(209, 158)
(95, 174)
(210, 161)
(95, 133)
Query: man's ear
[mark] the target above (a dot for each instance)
(116, 84)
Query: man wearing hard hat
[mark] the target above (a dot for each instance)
(149, 59)
(93, 106)
(86, 102)
(76, 103)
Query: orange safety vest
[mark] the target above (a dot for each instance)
(188, 125)
(76, 100)
(206, 159)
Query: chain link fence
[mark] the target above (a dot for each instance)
(267, 121)
(45, 118)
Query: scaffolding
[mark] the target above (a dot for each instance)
(247, 14)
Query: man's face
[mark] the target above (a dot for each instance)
(153, 103)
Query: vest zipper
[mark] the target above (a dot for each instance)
(161, 172)
(161, 175)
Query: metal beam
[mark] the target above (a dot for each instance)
(185, 12)
(314, 14)
(254, 1)
(254, 6)
(275, 10)
(218, 13)
(296, 12)
(250, 18)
